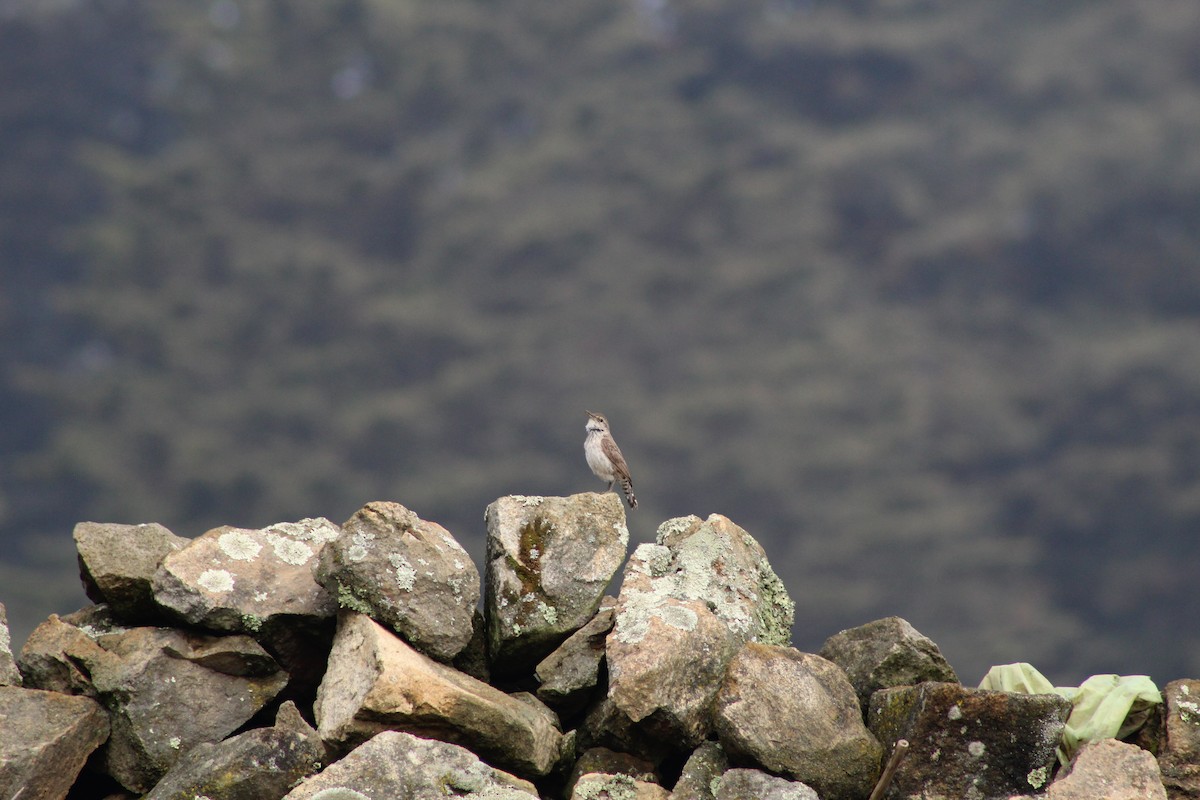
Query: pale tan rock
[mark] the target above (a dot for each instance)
(117, 564)
(45, 739)
(9, 675)
(376, 682)
(598, 786)
(1109, 770)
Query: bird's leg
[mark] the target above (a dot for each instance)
(610, 483)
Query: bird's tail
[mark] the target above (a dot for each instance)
(627, 488)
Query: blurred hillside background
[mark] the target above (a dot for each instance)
(909, 289)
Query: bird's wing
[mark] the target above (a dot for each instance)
(620, 469)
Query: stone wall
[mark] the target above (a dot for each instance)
(369, 660)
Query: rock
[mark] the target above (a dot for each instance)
(772, 689)
(569, 675)
(117, 564)
(602, 761)
(1109, 770)
(969, 742)
(701, 773)
(167, 691)
(375, 681)
(408, 574)
(61, 653)
(549, 561)
(400, 765)
(238, 580)
(473, 659)
(743, 784)
(885, 653)
(47, 738)
(1179, 749)
(665, 664)
(605, 725)
(260, 764)
(616, 787)
(9, 674)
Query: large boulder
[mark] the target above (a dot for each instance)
(117, 564)
(796, 714)
(45, 739)
(399, 765)
(969, 742)
(549, 561)
(377, 682)
(408, 574)
(884, 653)
(260, 764)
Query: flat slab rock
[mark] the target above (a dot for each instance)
(377, 682)
(408, 573)
(47, 738)
(399, 765)
(549, 561)
(969, 742)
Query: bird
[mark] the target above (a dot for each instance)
(604, 457)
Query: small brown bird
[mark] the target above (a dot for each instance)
(604, 457)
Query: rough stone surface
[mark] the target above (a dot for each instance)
(602, 761)
(1109, 770)
(598, 786)
(699, 778)
(260, 764)
(238, 580)
(752, 784)
(1179, 749)
(605, 725)
(884, 653)
(399, 765)
(569, 675)
(549, 561)
(664, 676)
(9, 674)
(117, 564)
(61, 654)
(45, 739)
(153, 674)
(408, 574)
(376, 681)
(796, 714)
(968, 742)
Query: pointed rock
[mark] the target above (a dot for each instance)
(117, 564)
(151, 674)
(969, 742)
(408, 574)
(770, 689)
(884, 653)
(375, 681)
(549, 561)
(9, 674)
(701, 773)
(260, 764)
(570, 674)
(46, 739)
(393, 764)
(238, 580)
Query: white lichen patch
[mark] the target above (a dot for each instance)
(289, 551)
(360, 545)
(976, 748)
(534, 553)
(406, 576)
(313, 529)
(529, 502)
(239, 545)
(1189, 711)
(1037, 778)
(955, 712)
(640, 608)
(549, 613)
(339, 793)
(260, 596)
(217, 581)
(651, 559)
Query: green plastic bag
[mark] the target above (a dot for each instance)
(1102, 707)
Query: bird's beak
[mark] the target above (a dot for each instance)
(590, 413)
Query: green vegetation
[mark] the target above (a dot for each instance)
(908, 290)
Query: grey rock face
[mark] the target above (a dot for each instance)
(238, 580)
(408, 574)
(1109, 770)
(261, 764)
(570, 674)
(700, 775)
(153, 674)
(549, 560)
(770, 689)
(45, 738)
(376, 681)
(9, 674)
(742, 784)
(884, 653)
(117, 564)
(969, 742)
(400, 765)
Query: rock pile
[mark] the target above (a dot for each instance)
(312, 660)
